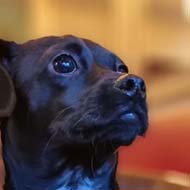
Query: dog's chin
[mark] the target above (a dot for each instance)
(128, 128)
(125, 138)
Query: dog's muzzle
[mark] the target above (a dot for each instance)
(133, 87)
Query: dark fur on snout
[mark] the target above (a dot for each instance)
(65, 128)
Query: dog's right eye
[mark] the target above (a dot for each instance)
(64, 64)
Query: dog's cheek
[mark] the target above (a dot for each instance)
(108, 99)
(39, 96)
(73, 91)
(98, 102)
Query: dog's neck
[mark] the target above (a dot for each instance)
(86, 168)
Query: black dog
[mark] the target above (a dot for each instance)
(75, 106)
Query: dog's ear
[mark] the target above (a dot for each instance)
(7, 92)
(102, 55)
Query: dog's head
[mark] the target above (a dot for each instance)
(72, 90)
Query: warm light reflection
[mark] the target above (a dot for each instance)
(187, 8)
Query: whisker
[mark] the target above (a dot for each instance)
(92, 162)
(79, 120)
(59, 114)
(48, 142)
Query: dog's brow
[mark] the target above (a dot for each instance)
(75, 48)
(84, 63)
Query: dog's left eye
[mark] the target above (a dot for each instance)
(122, 69)
(64, 64)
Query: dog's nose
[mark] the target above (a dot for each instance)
(131, 85)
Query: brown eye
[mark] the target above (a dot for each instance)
(64, 64)
(122, 69)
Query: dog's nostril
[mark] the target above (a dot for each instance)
(130, 85)
(142, 87)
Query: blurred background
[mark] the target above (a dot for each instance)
(153, 38)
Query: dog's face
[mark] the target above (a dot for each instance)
(76, 91)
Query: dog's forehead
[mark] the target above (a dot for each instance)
(72, 43)
(41, 44)
(103, 56)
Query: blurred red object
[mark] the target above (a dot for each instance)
(166, 147)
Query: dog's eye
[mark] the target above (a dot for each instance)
(122, 69)
(64, 64)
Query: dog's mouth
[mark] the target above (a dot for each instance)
(131, 119)
(134, 120)
(127, 126)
